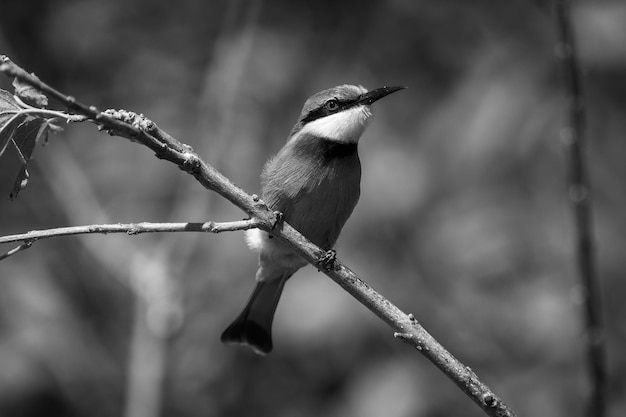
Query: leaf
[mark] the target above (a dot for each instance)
(21, 130)
(8, 124)
(7, 102)
(20, 183)
(8, 106)
(29, 94)
(8, 118)
(26, 136)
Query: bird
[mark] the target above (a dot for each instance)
(313, 182)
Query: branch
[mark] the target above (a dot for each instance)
(129, 228)
(573, 135)
(139, 129)
(27, 244)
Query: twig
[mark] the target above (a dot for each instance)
(573, 136)
(52, 114)
(27, 244)
(138, 128)
(131, 229)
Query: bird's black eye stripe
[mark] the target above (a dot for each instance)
(330, 106)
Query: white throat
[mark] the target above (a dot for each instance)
(346, 126)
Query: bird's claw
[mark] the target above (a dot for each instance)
(278, 219)
(327, 260)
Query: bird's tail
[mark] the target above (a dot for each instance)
(253, 327)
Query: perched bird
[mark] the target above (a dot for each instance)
(314, 181)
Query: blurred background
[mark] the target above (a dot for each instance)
(463, 218)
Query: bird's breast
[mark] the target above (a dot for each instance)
(315, 183)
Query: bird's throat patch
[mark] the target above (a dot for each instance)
(346, 126)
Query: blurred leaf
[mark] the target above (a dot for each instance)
(8, 125)
(9, 119)
(7, 102)
(26, 136)
(29, 94)
(24, 131)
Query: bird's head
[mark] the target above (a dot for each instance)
(340, 113)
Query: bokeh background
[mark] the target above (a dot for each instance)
(463, 219)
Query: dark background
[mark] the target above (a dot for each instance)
(463, 219)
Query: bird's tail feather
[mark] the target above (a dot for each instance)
(253, 327)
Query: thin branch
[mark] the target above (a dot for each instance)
(27, 244)
(140, 129)
(53, 114)
(573, 135)
(131, 229)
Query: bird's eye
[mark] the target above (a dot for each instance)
(332, 105)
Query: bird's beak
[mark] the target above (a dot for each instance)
(375, 95)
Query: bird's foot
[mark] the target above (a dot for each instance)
(327, 260)
(278, 220)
